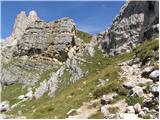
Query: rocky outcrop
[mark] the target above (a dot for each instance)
(136, 22)
(53, 39)
(9, 45)
(22, 22)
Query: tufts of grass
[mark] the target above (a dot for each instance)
(144, 51)
(98, 115)
(132, 100)
(64, 80)
(84, 36)
(73, 96)
(76, 93)
(113, 110)
(11, 92)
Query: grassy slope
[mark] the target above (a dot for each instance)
(84, 36)
(82, 90)
(77, 93)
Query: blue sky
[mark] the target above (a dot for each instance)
(92, 17)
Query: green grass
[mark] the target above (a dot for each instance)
(76, 93)
(132, 100)
(144, 51)
(84, 36)
(113, 110)
(11, 92)
(64, 80)
(98, 115)
(84, 90)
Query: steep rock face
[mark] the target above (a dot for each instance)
(9, 45)
(136, 22)
(52, 39)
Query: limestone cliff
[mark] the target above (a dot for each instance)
(136, 22)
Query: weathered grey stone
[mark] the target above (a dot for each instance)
(155, 90)
(21, 97)
(154, 75)
(105, 111)
(4, 106)
(137, 108)
(137, 91)
(146, 71)
(130, 109)
(129, 84)
(29, 95)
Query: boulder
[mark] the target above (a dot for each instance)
(105, 111)
(71, 112)
(137, 108)
(137, 90)
(21, 97)
(129, 84)
(107, 99)
(134, 61)
(146, 71)
(4, 106)
(154, 75)
(155, 90)
(141, 114)
(130, 109)
(29, 95)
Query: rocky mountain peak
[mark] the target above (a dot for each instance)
(22, 22)
(33, 16)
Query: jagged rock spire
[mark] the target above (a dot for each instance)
(33, 16)
(21, 23)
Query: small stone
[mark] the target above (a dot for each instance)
(4, 106)
(128, 84)
(137, 91)
(71, 112)
(130, 109)
(29, 95)
(146, 71)
(21, 97)
(154, 75)
(105, 111)
(141, 114)
(155, 90)
(145, 109)
(106, 99)
(137, 108)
